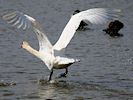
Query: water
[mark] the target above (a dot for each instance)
(106, 68)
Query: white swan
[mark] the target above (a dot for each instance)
(53, 56)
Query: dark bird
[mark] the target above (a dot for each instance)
(113, 28)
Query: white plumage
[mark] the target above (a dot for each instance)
(52, 55)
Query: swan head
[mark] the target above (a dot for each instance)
(24, 45)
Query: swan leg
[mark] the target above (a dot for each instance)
(50, 76)
(63, 74)
(66, 72)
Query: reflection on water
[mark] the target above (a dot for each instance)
(105, 71)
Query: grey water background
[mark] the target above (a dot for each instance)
(106, 68)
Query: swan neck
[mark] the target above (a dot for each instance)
(33, 51)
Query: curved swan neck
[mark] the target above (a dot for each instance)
(31, 50)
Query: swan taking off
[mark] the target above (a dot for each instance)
(53, 56)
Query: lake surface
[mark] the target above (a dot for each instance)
(106, 68)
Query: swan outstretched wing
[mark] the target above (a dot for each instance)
(68, 33)
(94, 16)
(23, 21)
